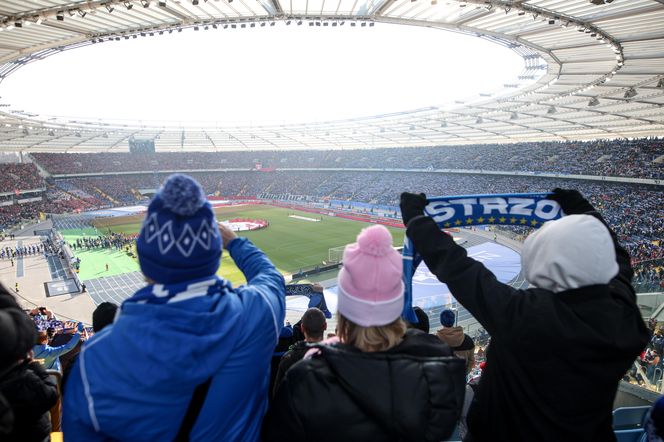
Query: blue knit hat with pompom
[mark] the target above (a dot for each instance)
(180, 239)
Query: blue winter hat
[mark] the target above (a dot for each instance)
(447, 318)
(179, 239)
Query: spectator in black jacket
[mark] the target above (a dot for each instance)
(313, 326)
(558, 349)
(377, 382)
(27, 392)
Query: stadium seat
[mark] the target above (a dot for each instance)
(629, 418)
(634, 435)
(56, 410)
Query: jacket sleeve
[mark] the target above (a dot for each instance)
(472, 284)
(43, 391)
(76, 422)
(65, 348)
(282, 421)
(284, 365)
(260, 274)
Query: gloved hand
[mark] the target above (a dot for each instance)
(571, 201)
(412, 205)
(80, 327)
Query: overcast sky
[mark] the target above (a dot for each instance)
(280, 74)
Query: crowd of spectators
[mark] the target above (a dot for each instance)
(118, 241)
(16, 177)
(635, 211)
(640, 158)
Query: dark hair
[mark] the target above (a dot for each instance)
(103, 315)
(422, 320)
(313, 323)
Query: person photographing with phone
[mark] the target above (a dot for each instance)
(559, 348)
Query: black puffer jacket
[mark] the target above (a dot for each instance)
(30, 393)
(412, 392)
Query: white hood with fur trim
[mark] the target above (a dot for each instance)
(574, 251)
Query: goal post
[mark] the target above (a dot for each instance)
(335, 254)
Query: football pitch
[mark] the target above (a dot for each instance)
(292, 241)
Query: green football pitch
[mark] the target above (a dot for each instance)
(291, 243)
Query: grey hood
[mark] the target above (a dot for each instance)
(574, 251)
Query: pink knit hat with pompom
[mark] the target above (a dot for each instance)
(370, 288)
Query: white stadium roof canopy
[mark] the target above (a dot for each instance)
(591, 71)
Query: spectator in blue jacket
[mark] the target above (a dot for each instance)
(51, 355)
(186, 331)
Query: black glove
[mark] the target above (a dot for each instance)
(412, 205)
(571, 201)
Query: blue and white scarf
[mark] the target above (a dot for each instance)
(518, 209)
(169, 293)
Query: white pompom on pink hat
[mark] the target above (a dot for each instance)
(370, 284)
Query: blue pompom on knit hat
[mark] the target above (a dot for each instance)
(179, 239)
(447, 318)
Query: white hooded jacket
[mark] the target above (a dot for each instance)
(572, 252)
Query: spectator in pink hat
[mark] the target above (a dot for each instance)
(378, 381)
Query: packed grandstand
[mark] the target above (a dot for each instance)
(633, 207)
(220, 281)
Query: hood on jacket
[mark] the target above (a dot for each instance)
(572, 252)
(179, 344)
(388, 382)
(452, 336)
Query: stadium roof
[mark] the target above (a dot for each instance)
(590, 71)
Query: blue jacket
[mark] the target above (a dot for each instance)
(134, 380)
(51, 355)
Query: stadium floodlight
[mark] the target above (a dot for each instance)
(18, 24)
(82, 13)
(660, 84)
(514, 116)
(128, 5)
(288, 22)
(299, 22)
(162, 3)
(109, 7)
(72, 12)
(551, 110)
(194, 2)
(272, 23)
(51, 133)
(630, 93)
(593, 102)
(601, 2)
(145, 3)
(60, 16)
